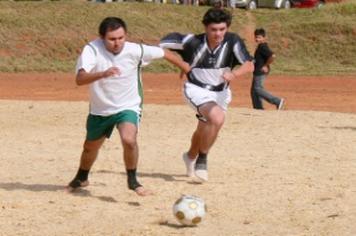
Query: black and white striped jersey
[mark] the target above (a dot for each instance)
(208, 65)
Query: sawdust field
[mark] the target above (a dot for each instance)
(271, 173)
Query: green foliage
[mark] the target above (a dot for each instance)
(312, 41)
(49, 35)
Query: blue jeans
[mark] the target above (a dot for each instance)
(258, 93)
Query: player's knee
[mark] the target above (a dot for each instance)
(129, 141)
(217, 119)
(259, 90)
(91, 147)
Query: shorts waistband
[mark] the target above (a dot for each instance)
(214, 88)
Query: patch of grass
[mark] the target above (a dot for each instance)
(49, 35)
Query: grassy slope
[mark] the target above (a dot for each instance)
(313, 41)
(47, 36)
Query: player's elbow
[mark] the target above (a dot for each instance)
(80, 78)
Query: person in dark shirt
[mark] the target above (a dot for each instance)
(263, 58)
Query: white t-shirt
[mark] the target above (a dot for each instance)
(113, 94)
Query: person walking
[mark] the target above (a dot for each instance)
(263, 59)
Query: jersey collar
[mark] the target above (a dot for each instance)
(209, 49)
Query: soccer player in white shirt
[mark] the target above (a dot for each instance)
(111, 67)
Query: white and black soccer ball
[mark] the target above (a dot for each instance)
(189, 210)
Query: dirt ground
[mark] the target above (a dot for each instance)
(271, 173)
(326, 93)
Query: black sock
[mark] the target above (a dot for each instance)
(82, 175)
(131, 179)
(202, 161)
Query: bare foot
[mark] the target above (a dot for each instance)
(141, 191)
(72, 186)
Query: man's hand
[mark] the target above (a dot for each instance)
(245, 68)
(178, 61)
(84, 77)
(265, 69)
(112, 71)
(228, 76)
(185, 70)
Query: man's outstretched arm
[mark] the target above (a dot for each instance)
(176, 60)
(245, 68)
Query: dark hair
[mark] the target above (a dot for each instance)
(110, 24)
(217, 16)
(261, 32)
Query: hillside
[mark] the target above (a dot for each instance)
(47, 36)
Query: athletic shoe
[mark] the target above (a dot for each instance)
(76, 184)
(189, 164)
(201, 174)
(201, 171)
(281, 104)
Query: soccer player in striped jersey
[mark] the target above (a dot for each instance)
(214, 57)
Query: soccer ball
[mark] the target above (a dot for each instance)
(189, 210)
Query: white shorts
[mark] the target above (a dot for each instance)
(197, 96)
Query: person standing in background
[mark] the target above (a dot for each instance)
(263, 59)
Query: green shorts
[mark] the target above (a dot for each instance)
(100, 126)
